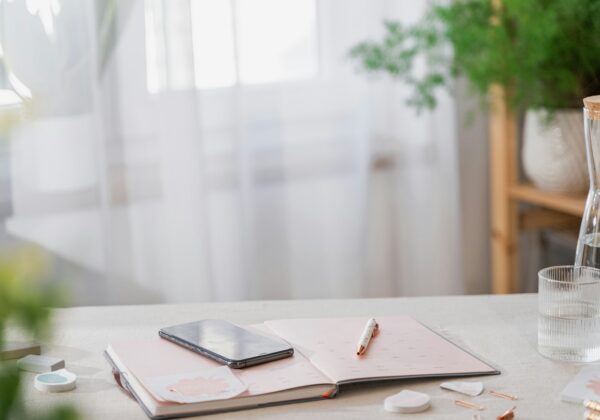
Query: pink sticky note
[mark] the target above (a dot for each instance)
(211, 384)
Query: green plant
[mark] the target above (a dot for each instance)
(24, 304)
(545, 53)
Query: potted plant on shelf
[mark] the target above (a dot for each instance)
(544, 53)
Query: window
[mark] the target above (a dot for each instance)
(218, 43)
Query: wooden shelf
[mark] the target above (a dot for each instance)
(566, 203)
(508, 219)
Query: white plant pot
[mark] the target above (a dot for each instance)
(55, 155)
(554, 151)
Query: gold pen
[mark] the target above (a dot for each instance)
(370, 331)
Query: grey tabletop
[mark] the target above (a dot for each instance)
(500, 329)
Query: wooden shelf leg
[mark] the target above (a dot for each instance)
(503, 174)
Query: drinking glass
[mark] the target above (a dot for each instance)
(569, 313)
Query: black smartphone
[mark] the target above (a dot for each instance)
(227, 343)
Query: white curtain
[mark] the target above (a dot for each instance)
(171, 157)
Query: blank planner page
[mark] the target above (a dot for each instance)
(403, 348)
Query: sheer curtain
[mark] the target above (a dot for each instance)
(197, 150)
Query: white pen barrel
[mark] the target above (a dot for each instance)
(366, 336)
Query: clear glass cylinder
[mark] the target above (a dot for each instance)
(569, 313)
(588, 244)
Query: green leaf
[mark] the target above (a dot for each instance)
(546, 53)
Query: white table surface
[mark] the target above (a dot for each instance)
(501, 329)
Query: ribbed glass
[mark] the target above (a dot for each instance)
(569, 313)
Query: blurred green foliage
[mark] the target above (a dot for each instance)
(25, 302)
(545, 53)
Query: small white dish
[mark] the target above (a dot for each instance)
(57, 381)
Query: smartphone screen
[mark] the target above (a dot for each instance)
(227, 343)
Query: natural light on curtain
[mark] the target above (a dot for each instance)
(196, 150)
(232, 41)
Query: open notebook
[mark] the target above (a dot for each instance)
(324, 358)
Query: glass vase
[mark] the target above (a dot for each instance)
(588, 244)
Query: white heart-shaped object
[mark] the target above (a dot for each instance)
(407, 401)
(468, 388)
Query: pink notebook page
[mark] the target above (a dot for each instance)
(403, 347)
(159, 357)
